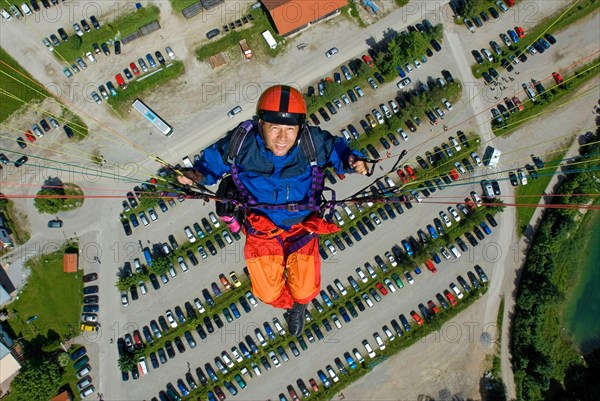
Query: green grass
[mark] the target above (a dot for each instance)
(51, 295)
(532, 192)
(16, 90)
(478, 7)
(125, 25)
(584, 8)
(13, 222)
(73, 196)
(138, 87)
(230, 41)
(179, 5)
(553, 95)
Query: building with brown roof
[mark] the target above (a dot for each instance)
(70, 262)
(64, 396)
(292, 16)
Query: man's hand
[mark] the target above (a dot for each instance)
(359, 166)
(190, 177)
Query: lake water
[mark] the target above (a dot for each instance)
(583, 310)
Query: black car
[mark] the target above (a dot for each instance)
(117, 45)
(211, 247)
(44, 124)
(410, 126)
(496, 186)
(126, 226)
(314, 119)
(68, 131)
(219, 241)
(463, 139)
(90, 299)
(212, 33)
(95, 22)
(169, 349)
(366, 126)
(192, 257)
(385, 143)
(494, 13)
(477, 56)
(537, 161)
(179, 345)
(478, 233)
(105, 49)
(436, 45)
(324, 114)
(160, 57)
(21, 143)
(63, 34)
(34, 5)
(471, 239)
(463, 283)
(378, 77)
(352, 96)
(461, 244)
(92, 289)
(550, 38)
(331, 108)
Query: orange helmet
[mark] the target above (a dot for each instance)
(282, 104)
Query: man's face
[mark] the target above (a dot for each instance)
(279, 138)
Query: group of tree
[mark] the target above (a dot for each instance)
(532, 352)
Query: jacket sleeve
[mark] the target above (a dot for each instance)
(334, 149)
(212, 164)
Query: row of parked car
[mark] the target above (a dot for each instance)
(25, 9)
(52, 41)
(478, 20)
(82, 368)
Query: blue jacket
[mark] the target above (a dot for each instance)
(275, 179)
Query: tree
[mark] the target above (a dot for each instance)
(38, 380)
(160, 265)
(48, 201)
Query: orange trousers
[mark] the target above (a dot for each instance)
(280, 279)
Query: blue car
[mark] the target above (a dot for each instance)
(436, 258)
(150, 60)
(182, 388)
(269, 331)
(134, 220)
(401, 72)
(544, 43)
(485, 228)
(344, 315)
(350, 360)
(513, 36)
(355, 234)
(324, 378)
(244, 351)
(210, 371)
(326, 298)
(432, 231)
(235, 311)
(404, 322)
(245, 305)
(407, 247)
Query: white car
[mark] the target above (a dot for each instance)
(187, 162)
(338, 218)
(453, 213)
(417, 63)
(90, 56)
(227, 359)
(439, 112)
(199, 305)
(374, 217)
(331, 52)
(388, 333)
(5, 15)
(358, 355)
(231, 113)
(182, 264)
(236, 354)
(345, 99)
(336, 321)
(522, 177)
(476, 198)
(340, 287)
(170, 52)
(447, 104)
(476, 158)
(370, 351)
(367, 300)
(346, 135)
(152, 214)
(332, 374)
(330, 246)
(361, 275)
(274, 359)
(391, 258)
(390, 285)
(214, 220)
(378, 116)
(487, 54)
(348, 212)
(444, 253)
(143, 288)
(445, 219)
(386, 111)
(454, 288)
(402, 134)
(260, 337)
(460, 168)
(278, 326)
(402, 84)
(380, 342)
(26, 9)
(227, 237)
(190, 234)
(77, 29)
(251, 299)
(170, 319)
(394, 106)
(454, 251)
(124, 299)
(89, 318)
(457, 146)
(408, 67)
(390, 183)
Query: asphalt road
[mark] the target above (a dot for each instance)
(197, 126)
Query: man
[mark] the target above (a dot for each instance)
(276, 164)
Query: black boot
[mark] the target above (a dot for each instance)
(295, 318)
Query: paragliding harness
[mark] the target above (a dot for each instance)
(232, 187)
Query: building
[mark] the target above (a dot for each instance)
(9, 367)
(70, 262)
(64, 396)
(291, 16)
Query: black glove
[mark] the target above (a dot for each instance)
(227, 189)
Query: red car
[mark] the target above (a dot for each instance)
(454, 174)
(450, 297)
(417, 318)
(313, 384)
(120, 81)
(557, 77)
(518, 103)
(381, 288)
(430, 265)
(403, 176)
(134, 69)
(520, 32)
(433, 307)
(368, 61)
(30, 136)
(410, 172)
(224, 281)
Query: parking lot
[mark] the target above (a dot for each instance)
(117, 248)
